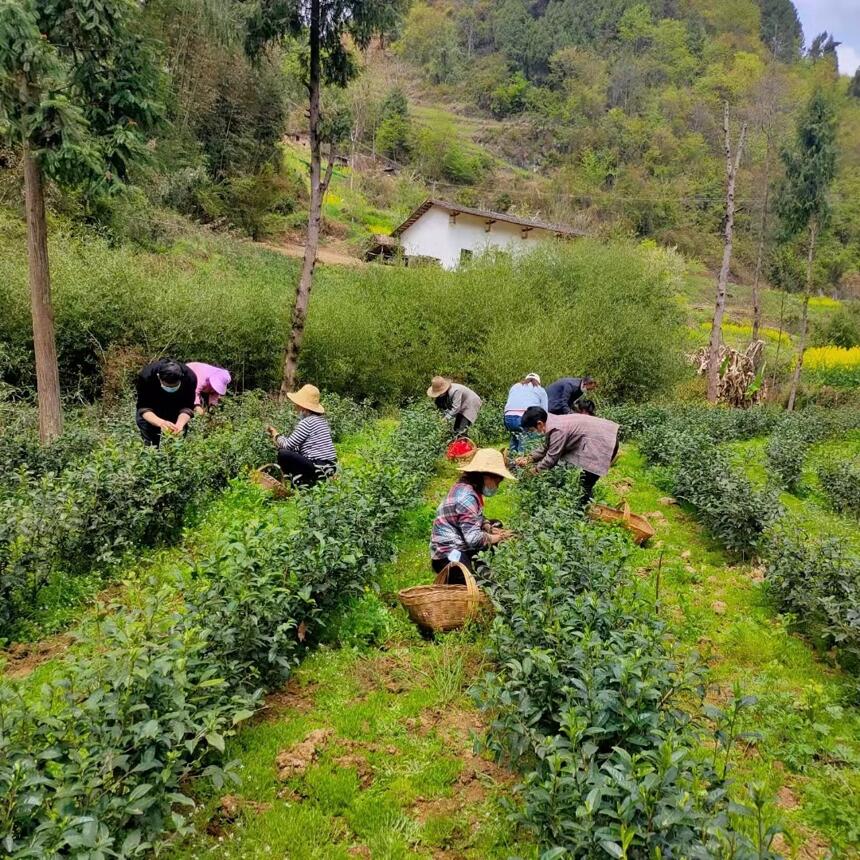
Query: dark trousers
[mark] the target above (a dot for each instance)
(461, 425)
(152, 434)
(467, 559)
(589, 479)
(302, 472)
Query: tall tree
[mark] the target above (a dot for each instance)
(810, 168)
(781, 30)
(733, 162)
(324, 25)
(75, 100)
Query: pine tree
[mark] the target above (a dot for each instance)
(75, 101)
(810, 168)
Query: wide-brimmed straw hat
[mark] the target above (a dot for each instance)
(438, 386)
(534, 377)
(307, 397)
(488, 461)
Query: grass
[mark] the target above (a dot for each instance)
(806, 749)
(396, 776)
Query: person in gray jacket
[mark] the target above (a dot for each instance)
(581, 440)
(459, 403)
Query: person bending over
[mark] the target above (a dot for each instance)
(527, 392)
(460, 530)
(165, 399)
(563, 393)
(459, 403)
(580, 440)
(212, 385)
(307, 455)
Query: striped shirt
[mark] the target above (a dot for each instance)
(311, 438)
(459, 523)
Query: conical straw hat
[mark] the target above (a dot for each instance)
(307, 397)
(438, 386)
(489, 461)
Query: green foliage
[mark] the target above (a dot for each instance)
(786, 453)
(818, 582)
(842, 329)
(98, 760)
(606, 310)
(781, 30)
(98, 507)
(593, 700)
(841, 484)
(431, 43)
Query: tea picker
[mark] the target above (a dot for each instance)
(458, 402)
(523, 394)
(580, 440)
(212, 383)
(165, 399)
(460, 530)
(307, 455)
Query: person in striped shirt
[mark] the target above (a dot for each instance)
(307, 455)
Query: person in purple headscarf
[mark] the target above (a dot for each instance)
(212, 385)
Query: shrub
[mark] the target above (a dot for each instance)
(841, 484)
(607, 310)
(97, 761)
(590, 696)
(786, 453)
(818, 582)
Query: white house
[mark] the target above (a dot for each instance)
(451, 233)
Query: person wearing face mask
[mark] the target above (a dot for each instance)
(460, 530)
(165, 399)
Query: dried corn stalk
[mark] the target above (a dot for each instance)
(740, 384)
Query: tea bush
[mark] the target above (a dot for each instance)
(786, 453)
(591, 697)
(841, 484)
(121, 496)
(818, 582)
(97, 763)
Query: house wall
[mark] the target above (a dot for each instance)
(432, 235)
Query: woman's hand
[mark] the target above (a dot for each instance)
(272, 431)
(522, 461)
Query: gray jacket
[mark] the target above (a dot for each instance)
(464, 402)
(578, 440)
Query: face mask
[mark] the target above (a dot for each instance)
(170, 389)
(490, 491)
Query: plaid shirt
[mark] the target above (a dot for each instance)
(459, 523)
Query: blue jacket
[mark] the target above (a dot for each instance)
(563, 393)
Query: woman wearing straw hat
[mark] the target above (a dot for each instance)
(460, 530)
(459, 403)
(307, 455)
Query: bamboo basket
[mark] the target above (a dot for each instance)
(444, 605)
(276, 486)
(637, 525)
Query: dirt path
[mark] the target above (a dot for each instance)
(327, 256)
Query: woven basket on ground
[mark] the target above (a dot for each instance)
(460, 450)
(446, 605)
(275, 485)
(637, 525)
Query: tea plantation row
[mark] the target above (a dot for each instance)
(594, 700)
(84, 504)
(97, 762)
(816, 580)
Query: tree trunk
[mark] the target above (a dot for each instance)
(761, 241)
(303, 293)
(804, 320)
(722, 283)
(44, 341)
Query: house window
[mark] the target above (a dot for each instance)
(465, 255)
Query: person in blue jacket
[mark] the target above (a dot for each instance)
(564, 392)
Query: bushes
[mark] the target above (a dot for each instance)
(592, 698)
(98, 761)
(841, 484)
(818, 582)
(786, 453)
(87, 516)
(607, 310)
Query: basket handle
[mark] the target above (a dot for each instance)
(471, 586)
(626, 511)
(275, 466)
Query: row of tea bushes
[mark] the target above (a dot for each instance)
(594, 701)
(97, 764)
(841, 484)
(120, 496)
